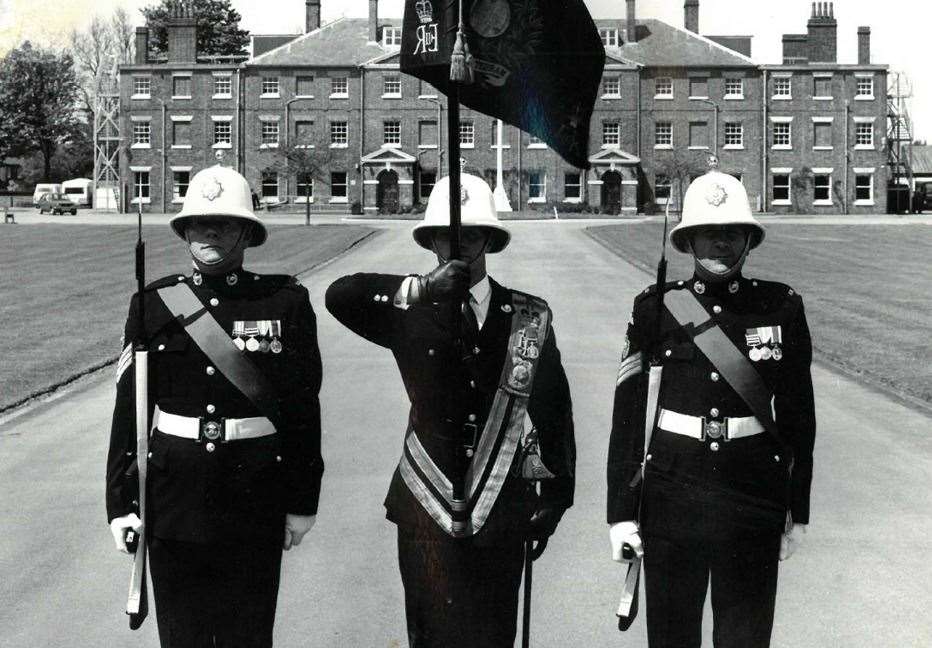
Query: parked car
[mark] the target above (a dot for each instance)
(56, 203)
(42, 189)
(922, 197)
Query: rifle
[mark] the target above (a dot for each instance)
(628, 605)
(137, 602)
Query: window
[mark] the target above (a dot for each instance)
(181, 87)
(391, 133)
(782, 89)
(611, 135)
(391, 86)
(467, 134)
(181, 134)
(782, 135)
(142, 134)
(572, 187)
(822, 135)
(611, 87)
(537, 186)
(269, 134)
(338, 186)
(663, 135)
(663, 87)
(698, 88)
(609, 37)
(734, 135)
(699, 135)
(428, 180)
(223, 134)
(822, 87)
(339, 134)
(865, 87)
(734, 88)
(223, 86)
(863, 187)
(391, 37)
(339, 87)
(304, 86)
(425, 89)
(864, 135)
(142, 87)
(270, 87)
(822, 189)
(141, 186)
(781, 188)
(304, 133)
(427, 134)
(305, 185)
(270, 186)
(180, 181)
(533, 141)
(663, 187)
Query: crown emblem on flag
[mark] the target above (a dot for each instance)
(425, 11)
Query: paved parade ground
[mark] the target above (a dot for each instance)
(861, 578)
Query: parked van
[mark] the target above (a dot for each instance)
(44, 189)
(79, 191)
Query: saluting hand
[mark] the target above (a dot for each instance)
(295, 528)
(446, 282)
(118, 527)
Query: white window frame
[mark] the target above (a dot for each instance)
(698, 78)
(607, 135)
(732, 96)
(668, 126)
(821, 75)
(860, 122)
(391, 36)
(391, 123)
(420, 189)
(180, 118)
(615, 80)
(788, 172)
(698, 147)
(335, 134)
(339, 199)
(303, 76)
(302, 121)
(542, 198)
(334, 83)
(269, 126)
(578, 185)
(142, 95)
(228, 78)
(534, 142)
(432, 125)
(858, 77)
(183, 75)
(668, 184)
(221, 119)
(140, 120)
(739, 131)
(137, 193)
(176, 199)
(393, 79)
(788, 121)
(467, 134)
(829, 172)
(667, 81)
(278, 186)
(864, 171)
(609, 36)
(822, 120)
(420, 86)
(270, 87)
(781, 78)
(299, 197)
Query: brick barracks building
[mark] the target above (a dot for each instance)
(328, 114)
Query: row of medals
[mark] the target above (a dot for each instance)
(765, 353)
(263, 346)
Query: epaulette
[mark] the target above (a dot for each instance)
(274, 282)
(167, 280)
(652, 290)
(531, 297)
(775, 290)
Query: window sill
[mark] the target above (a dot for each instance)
(467, 146)
(781, 202)
(270, 95)
(304, 96)
(823, 98)
(181, 146)
(391, 145)
(822, 203)
(856, 98)
(734, 97)
(222, 145)
(144, 201)
(339, 201)
(503, 146)
(141, 146)
(222, 96)
(823, 148)
(663, 97)
(339, 96)
(177, 201)
(693, 148)
(863, 147)
(339, 146)
(698, 98)
(303, 146)
(274, 200)
(432, 96)
(733, 147)
(303, 200)
(537, 146)
(663, 147)
(391, 96)
(141, 96)
(609, 97)
(863, 203)
(782, 147)
(268, 146)
(536, 200)
(573, 201)
(427, 146)
(614, 147)
(781, 98)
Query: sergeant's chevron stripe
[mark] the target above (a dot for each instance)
(630, 367)
(126, 359)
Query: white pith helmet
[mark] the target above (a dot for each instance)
(219, 191)
(715, 199)
(478, 210)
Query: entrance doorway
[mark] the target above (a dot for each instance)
(386, 197)
(611, 192)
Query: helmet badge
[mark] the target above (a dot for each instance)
(717, 195)
(464, 195)
(212, 189)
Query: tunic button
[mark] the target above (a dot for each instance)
(210, 447)
(475, 350)
(713, 446)
(472, 383)
(714, 412)
(716, 309)
(384, 298)
(714, 376)
(668, 353)
(149, 455)
(648, 457)
(469, 452)
(278, 458)
(776, 458)
(376, 297)
(210, 371)
(472, 418)
(161, 347)
(214, 301)
(430, 352)
(211, 409)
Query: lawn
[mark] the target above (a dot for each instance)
(65, 290)
(867, 291)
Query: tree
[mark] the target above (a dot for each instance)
(306, 161)
(218, 29)
(680, 169)
(38, 93)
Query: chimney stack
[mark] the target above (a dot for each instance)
(374, 21)
(311, 15)
(691, 15)
(142, 46)
(182, 33)
(631, 26)
(864, 45)
(823, 33)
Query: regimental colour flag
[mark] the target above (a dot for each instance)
(536, 64)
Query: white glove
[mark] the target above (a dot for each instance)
(791, 540)
(118, 527)
(295, 528)
(622, 533)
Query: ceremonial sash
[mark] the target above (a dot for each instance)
(495, 451)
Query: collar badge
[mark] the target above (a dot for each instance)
(699, 287)
(733, 287)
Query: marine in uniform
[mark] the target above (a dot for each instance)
(489, 399)
(721, 492)
(232, 480)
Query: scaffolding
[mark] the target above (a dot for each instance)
(107, 142)
(900, 139)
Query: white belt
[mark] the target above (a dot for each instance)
(189, 427)
(698, 427)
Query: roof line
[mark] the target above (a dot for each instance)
(380, 57)
(710, 42)
(621, 59)
(292, 42)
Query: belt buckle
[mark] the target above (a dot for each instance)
(212, 430)
(714, 429)
(471, 432)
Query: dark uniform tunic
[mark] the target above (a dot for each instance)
(216, 512)
(460, 592)
(714, 507)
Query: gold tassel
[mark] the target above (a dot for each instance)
(461, 60)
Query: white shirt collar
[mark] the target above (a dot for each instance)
(481, 295)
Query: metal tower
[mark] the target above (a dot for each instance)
(107, 142)
(900, 135)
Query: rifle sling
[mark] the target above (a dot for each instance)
(219, 348)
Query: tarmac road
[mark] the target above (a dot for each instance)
(861, 578)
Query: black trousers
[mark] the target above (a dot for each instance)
(744, 588)
(217, 596)
(457, 594)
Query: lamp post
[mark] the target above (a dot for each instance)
(164, 154)
(715, 124)
(439, 105)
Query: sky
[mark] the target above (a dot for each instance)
(900, 29)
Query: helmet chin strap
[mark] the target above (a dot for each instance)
(727, 274)
(223, 258)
